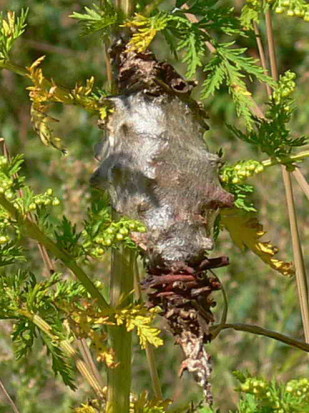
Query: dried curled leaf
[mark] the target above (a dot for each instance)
(85, 408)
(139, 317)
(44, 91)
(41, 124)
(104, 354)
(246, 231)
(81, 91)
(142, 404)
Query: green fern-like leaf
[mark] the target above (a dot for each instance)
(216, 74)
(60, 362)
(96, 19)
(228, 66)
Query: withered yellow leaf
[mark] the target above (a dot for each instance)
(246, 231)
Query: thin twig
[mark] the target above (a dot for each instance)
(264, 332)
(300, 156)
(149, 348)
(271, 46)
(262, 54)
(301, 180)
(301, 279)
(8, 397)
(109, 69)
(87, 356)
(121, 285)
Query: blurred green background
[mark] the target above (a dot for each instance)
(256, 293)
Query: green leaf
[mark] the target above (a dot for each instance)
(10, 253)
(215, 72)
(60, 362)
(271, 134)
(229, 66)
(67, 238)
(190, 41)
(96, 19)
(11, 28)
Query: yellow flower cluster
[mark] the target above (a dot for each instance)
(116, 232)
(285, 87)
(298, 8)
(298, 388)
(255, 386)
(238, 173)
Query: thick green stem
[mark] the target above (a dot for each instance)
(119, 378)
(32, 230)
(301, 279)
(121, 288)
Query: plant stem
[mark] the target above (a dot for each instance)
(271, 46)
(129, 7)
(290, 159)
(109, 69)
(8, 397)
(119, 378)
(301, 180)
(264, 332)
(33, 231)
(262, 54)
(121, 286)
(88, 359)
(301, 279)
(156, 385)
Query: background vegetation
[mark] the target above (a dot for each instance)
(256, 293)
